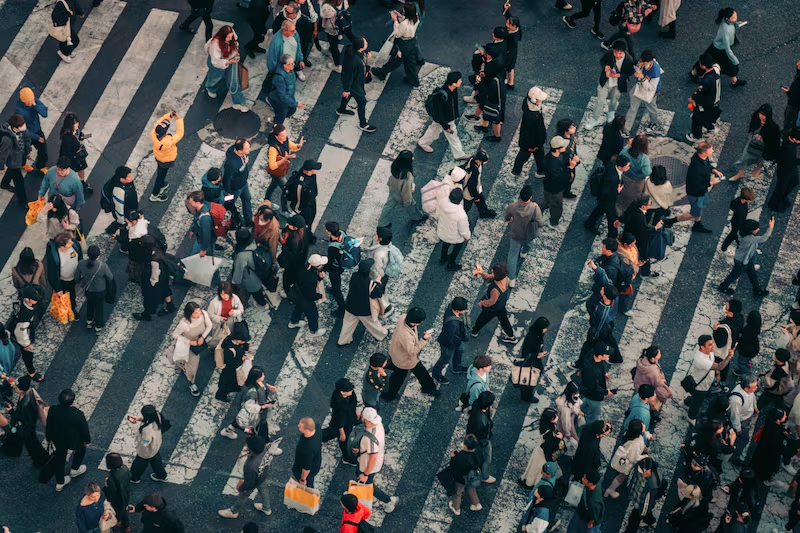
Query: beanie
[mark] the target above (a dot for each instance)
(453, 77)
(459, 303)
(415, 315)
(297, 221)
(24, 382)
(344, 385)
(720, 336)
(26, 95)
(782, 355)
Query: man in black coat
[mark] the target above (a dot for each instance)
(156, 518)
(354, 74)
(705, 99)
(480, 424)
(556, 179)
(200, 9)
(699, 181)
(24, 418)
(635, 220)
(68, 430)
(594, 382)
(607, 199)
(617, 66)
(358, 306)
(307, 283)
(444, 104)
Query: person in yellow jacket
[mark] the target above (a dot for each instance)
(165, 150)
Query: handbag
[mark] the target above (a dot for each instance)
(574, 494)
(525, 376)
(689, 384)
(219, 352)
(473, 479)
(48, 469)
(111, 291)
(181, 351)
(244, 76)
(61, 308)
(301, 498)
(491, 112)
(644, 92)
(106, 525)
(34, 208)
(447, 480)
(537, 526)
(243, 371)
(619, 459)
(365, 492)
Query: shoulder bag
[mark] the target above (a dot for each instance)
(491, 112)
(61, 33)
(689, 384)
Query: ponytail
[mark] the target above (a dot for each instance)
(725, 13)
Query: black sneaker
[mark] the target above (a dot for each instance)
(186, 29)
(571, 25)
(488, 213)
(591, 229)
(369, 128)
(597, 33)
(345, 111)
(455, 267)
(441, 379)
(728, 291)
(570, 195)
(143, 316)
(8, 188)
(460, 370)
(699, 228)
(432, 392)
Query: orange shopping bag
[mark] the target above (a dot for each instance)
(300, 498)
(61, 308)
(34, 208)
(365, 492)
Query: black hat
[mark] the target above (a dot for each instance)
(162, 129)
(459, 303)
(297, 221)
(601, 348)
(416, 315)
(344, 385)
(24, 382)
(452, 77)
(30, 293)
(312, 164)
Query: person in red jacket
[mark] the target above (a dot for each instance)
(354, 513)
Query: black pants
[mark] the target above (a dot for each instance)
(259, 297)
(205, 14)
(407, 57)
(361, 100)
(259, 27)
(330, 433)
(697, 401)
(479, 201)
(276, 183)
(41, 151)
(336, 286)
(27, 358)
(161, 176)
(610, 212)
(586, 7)
(33, 444)
(635, 518)
(15, 175)
(69, 286)
(60, 459)
(487, 315)
(453, 254)
(308, 308)
(140, 465)
(399, 376)
(738, 268)
(706, 118)
(65, 48)
(333, 41)
(732, 236)
(95, 308)
(524, 155)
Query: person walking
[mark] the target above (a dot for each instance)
(68, 430)
(294, 252)
(308, 454)
(739, 210)
(630, 17)
(64, 12)
(200, 9)
(191, 335)
(532, 354)
(701, 177)
(465, 466)
(117, 489)
(452, 228)
(770, 449)
(591, 508)
(586, 7)
(15, 146)
(202, 229)
(370, 456)
(532, 133)
(451, 340)
(63, 181)
(641, 494)
(148, 444)
(359, 307)
(632, 450)
(256, 389)
(471, 184)
(155, 279)
(743, 413)
(646, 88)
(763, 144)
(491, 90)
(375, 380)
(703, 372)
(594, 382)
(524, 218)
(442, 106)
(286, 42)
(30, 109)
(304, 17)
(253, 478)
(223, 59)
(649, 372)
(27, 318)
(354, 75)
(786, 176)
(235, 174)
(721, 49)
(477, 379)
(633, 180)
(404, 349)
(792, 110)
(608, 194)
(401, 191)
(354, 514)
(336, 21)
(61, 265)
(257, 15)
(97, 281)
(704, 102)
(493, 304)
(72, 146)
(307, 296)
(480, 425)
(156, 518)
(282, 95)
(613, 140)
(58, 217)
(344, 417)
(124, 199)
(667, 15)
(235, 348)
(301, 193)
(24, 417)
(406, 45)
(744, 259)
(165, 150)
(556, 179)
(280, 153)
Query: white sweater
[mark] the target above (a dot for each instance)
(215, 53)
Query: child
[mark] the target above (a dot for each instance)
(739, 209)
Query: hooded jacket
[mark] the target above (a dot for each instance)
(165, 149)
(452, 223)
(212, 191)
(234, 171)
(532, 132)
(651, 374)
(14, 147)
(31, 114)
(453, 330)
(162, 521)
(475, 384)
(405, 345)
(524, 220)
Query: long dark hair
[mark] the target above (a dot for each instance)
(410, 12)
(755, 122)
(569, 391)
(253, 377)
(634, 431)
(403, 165)
(546, 420)
(725, 13)
(189, 309)
(150, 416)
(69, 123)
(227, 49)
(639, 145)
(658, 175)
(151, 249)
(27, 263)
(60, 208)
(650, 352)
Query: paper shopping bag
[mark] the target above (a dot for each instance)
(34, 208)
(201, 270)
(300, 498)
(61, 308)
(365, 492)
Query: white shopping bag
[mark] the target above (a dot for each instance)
(201, 270)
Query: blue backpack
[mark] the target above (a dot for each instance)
(350, 251)
(657, 246)
(394, 266)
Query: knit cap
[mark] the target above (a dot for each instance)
(26, 95)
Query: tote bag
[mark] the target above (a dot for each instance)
(61, 308)
(574, 494)
(365, 492)
(61, 33)
(301, 498)
(525, 376)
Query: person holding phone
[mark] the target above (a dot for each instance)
(404, 349)
(223, 56)
(744, 260)
(405, 44)
(148, 445)
(493, 304)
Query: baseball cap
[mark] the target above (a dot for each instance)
(558, 142)
(317, 260)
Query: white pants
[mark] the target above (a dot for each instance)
(650, 107)
(433, 132)
(603, 94)
(351, 321)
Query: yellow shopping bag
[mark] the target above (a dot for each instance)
(300, 498)
(34, 208)
(365, 492)
(61, 308)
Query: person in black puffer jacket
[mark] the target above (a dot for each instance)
(480, 424)
(343, 417)
(156, 518)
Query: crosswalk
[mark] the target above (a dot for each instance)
(424, 430)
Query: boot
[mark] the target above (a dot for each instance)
(611, 491)
(488, 213)
(700, 228)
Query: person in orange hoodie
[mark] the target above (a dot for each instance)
(354, 513)
(165, 150)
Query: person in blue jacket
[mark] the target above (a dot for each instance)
(31, 108)
(62, 180)
(234, 177)
(202, 230)
(282, 95)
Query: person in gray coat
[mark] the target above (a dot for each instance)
(244, 267)
(744, 260)
(524, 218)
(15, 145)
(95, 277)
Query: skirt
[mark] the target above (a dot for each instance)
(726, 65)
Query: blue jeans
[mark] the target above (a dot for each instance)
(282, 112)
(591, 410)
(448, 354)
(215, 77)
(247, 206)
(577, 525)
(516, 247)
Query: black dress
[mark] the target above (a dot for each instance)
(233, 354)
(766, 459)
(72, 147)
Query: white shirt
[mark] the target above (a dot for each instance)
(614, 82)
(701, 370)
(69, 264)
(369, 448)
(405, 29)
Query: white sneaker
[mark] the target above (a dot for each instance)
(780, 485)
(229, 433)
(67, 479)
(512, 283)
(456, 512)
(319, 333)
(298, 324)
(489, 480)
(470, 99)
(273, 447)
(792, 470)
(82, 470)
(389, 507)
(258, 506)
(335, 68)
(590, 124)
(242, 108)
(475, 507)
(301, 75)
(212, 95)
(424, 148)
(65, 59)
(226, 513)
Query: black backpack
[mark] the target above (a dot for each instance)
(290, 189)
(596, 179)
(625, 277)
(430, 102)
(262, 261)
(616, 16)
(107, 196)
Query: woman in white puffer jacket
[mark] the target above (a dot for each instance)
(452, 228)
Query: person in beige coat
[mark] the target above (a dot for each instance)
(404, 351)
(649, 372)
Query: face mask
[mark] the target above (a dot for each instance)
(22, 128)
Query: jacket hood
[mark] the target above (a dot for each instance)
(139, 230)
(449, 208)
(524, 209)
(207, 182)
(230, 152)
(457, 174)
